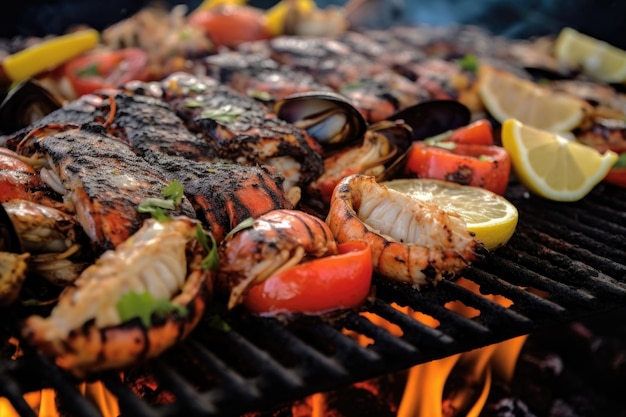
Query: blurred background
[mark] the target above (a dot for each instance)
(603, 19)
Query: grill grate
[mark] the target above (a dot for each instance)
(574, 254)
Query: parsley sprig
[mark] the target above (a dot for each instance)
(159, 208)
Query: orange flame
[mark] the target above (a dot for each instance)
(43, 403)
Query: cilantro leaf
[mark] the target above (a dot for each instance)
(173, 191)
(224, 114)
(143, 306)
(211, 261)
(469, 63)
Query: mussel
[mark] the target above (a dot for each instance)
(24, 104)
(328, 117)
(430, 118)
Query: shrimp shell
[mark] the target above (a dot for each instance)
(276, 240)
(411, 241)
(84, 332)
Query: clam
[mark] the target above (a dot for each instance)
(328, 117)
(24, 104)
(430, 118)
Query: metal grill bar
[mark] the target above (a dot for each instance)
(565, 261)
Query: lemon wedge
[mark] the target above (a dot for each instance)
(596, 58)
(507, 96)
(491, 217)
(551, 165)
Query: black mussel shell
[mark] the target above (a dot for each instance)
(24, 104)
(430, 118)
(9, 240)
(328, 117)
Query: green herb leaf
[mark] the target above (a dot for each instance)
(225, 114)
(173, 191)
(244, 224)
(159, 207)
(469, 63)
(89, 71)
(211, 262)
(218, 323)
(193, 104)
(143, 306)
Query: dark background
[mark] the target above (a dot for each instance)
(603, 19)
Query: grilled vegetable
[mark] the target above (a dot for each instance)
(324, 284)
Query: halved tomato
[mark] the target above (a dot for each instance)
(106, 69)
(314, 287)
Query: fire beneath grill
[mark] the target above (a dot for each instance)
(566, 262)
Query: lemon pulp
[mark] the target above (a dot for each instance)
(552, 166)
(507, 96)
(491, 217)
(596, 58)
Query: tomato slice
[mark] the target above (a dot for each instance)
(479, 132)
(485, 166)
(106, 69)
(314, 287)
(616, 176)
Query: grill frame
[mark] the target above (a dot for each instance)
(575, 251)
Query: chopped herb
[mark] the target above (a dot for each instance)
(159, 208)
(211, 262)
(225, 114)
(440, 141)
(173, 191)
(469, 63)
(244, 224)
(193, 104)
(144, 305)
(90, 71)
(218, 323)
(260, 95)
(352, 86)
(485, 158)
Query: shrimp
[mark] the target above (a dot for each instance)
(411, 241)
(274, 241)
(159, 269)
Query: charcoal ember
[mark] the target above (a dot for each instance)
(535, 375)
(507, 407)
(356, 401)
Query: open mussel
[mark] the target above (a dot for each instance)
(328, 117)
(24, 104)
(430, 118)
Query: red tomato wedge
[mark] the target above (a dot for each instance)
(106, 69)
(231, 24)
(478, 133)
(485, 166)
(616, 176)
(314, 287)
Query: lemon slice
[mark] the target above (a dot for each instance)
(596, 58)
(507, 96)
(491, 217)
(552, 166)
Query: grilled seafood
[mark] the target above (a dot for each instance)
(155, 293)
(52, 238)
(100, 177)
(274, 241)
(242, 129)
(411, 241)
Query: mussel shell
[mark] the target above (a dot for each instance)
(400, 136)
(430, 118)
(340, 122)
(24, 104)
(9, 240)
